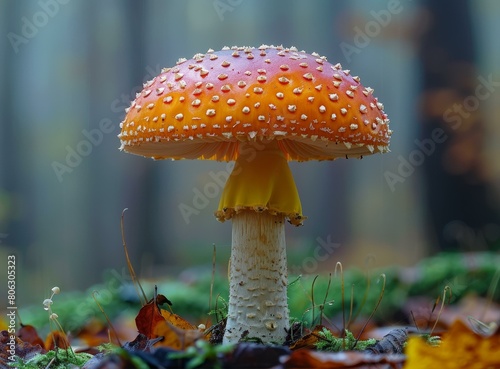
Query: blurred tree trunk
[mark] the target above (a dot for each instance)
(459, 210)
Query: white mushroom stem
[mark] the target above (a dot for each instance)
(258, 304)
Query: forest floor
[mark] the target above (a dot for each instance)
(444, 312)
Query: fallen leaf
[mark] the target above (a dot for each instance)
(28, 333)
(56, 339)
(154, 322)
(460, 348)
(309, 340)
(177, 333)
(307, 359)
(149, 317)
(10, 344)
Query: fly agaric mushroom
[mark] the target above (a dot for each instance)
(260, 107)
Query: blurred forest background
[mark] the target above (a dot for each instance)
(68, 69)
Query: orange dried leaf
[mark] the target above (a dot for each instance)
(460, 348)
(177, 332)
(56, 339)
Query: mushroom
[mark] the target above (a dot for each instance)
(260, 107)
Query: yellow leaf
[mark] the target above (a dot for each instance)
(460, 348)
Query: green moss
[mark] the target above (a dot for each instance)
(328, 342)
(60, 359)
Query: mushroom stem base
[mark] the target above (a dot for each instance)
(258, 306)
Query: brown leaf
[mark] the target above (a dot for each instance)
(154, 322)
(28, 333)
(149, 317)
(10, 344)
(309, 340)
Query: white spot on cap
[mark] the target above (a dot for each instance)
(160, 90)
(168, 99)
(170, 128)
(292, 108)
(333, 97)
(178, 76)
(310, 98)
(297, 90)
(242, 83)
(303, 117)
(348, 145)
(225, 63)
(245, 110)
(284, 67)
(261, 78)
(333, 116)
(179, 116)
(146, 93)
(370, 147)
(210, 112)
(231, 101)
(225, 88)
(303, 65)
(367, 91)
(363, 109)
(222, 76)
(322, 109)
(272, 106)
(308, 76)
(229, 118)
(343, 111)
(349, 93)
(280, 95)
(318, 87)
(215, 98)
(151, 106)
(261, 118)
(283, 80)
(203, 72)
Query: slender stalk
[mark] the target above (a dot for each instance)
(258, 306)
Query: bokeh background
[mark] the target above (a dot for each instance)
(68, 69)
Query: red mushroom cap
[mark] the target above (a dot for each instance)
(202, 108)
